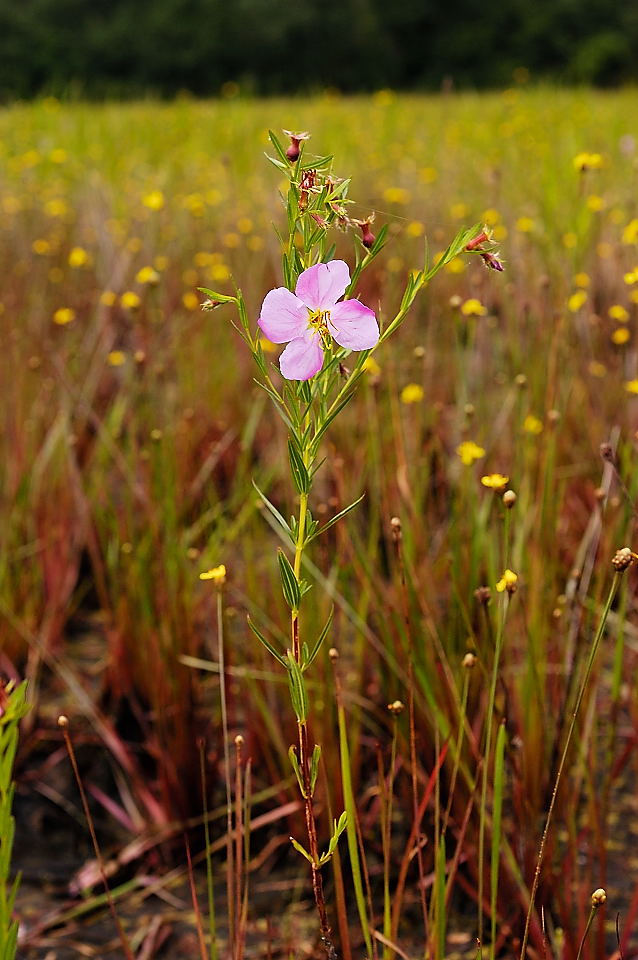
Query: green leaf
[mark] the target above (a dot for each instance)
(300, 849)
(314, 767)
(298, 695)
(292, 753)
(268, 645)
(300, 475)
(319, 641)
(289, 582)
(337, 517)
(214, 295)
(281, 153)
(273, 510)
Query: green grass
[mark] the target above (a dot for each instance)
(129, 439)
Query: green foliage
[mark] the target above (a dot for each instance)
(12, 708)
(168, 46)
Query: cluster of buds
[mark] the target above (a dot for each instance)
(623, 558)
(490, 258)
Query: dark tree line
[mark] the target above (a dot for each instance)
(130, 47)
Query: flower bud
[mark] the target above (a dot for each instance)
(294, 149)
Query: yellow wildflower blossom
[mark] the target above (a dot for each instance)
(576, 301)
(631, 386)
(64, 315)
(532, 424)
(371, 366)
(619, 313)
(216, 574)
(630, 233)
(78, 257)
(116, 358)
(469, 451)
(620, 336)
(148, 275)
(508, 582)
(412, 393)
(153, 200)
(130, 300)
(495, 481)
(473, 308)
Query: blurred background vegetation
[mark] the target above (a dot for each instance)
(162, 47)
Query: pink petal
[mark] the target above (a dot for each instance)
(283, 316)
(302, 358)
(353, 325)
(321, 286)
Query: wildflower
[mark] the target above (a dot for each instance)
(397, 195)
(468, 661)
(216, 574)
(576, 301)
(492, 261)
(396, 707)
(415, 229)
(595, 203)
(598, 897)
(473, 308)
(371, 366)
(631, 386)
(294, 149)
(587, 161)
(148, 275)
(469, 451)
(412, 393)
(495, 481)
(525, 225)
(367, 236)
(153, 200)
(597, 369)
(311, 317)
(190, 300)
(619, 313)
(631, 277)
(620, 336)
(582, 279)
(532, 424)
(130, 300)
(78, 257)
(508, 581)
(570, 240)
(116, 358)
(108, 298)
(630, 233)
(64, 315)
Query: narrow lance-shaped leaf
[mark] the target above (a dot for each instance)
(289, 582)
(319, 641)
(268, 645)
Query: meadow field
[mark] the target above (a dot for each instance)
(476, 688)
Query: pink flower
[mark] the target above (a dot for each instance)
(310, 317)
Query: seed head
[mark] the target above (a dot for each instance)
(468, 661)
(483, 595)
(509, 499)
(623, 558)
(396, 707)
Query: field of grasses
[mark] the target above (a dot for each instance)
(475, 696)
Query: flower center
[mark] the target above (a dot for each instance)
(318, 320)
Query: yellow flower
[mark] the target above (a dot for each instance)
(130, 300)
(108, 298)
(396, 195)
(455, 265)
(495, 481)
(631, 277)
(532, 424)
(595, 203)
(371, 366)
(507, 582)
(597, 369)
(619, 313)
(570, 240)
(153, 200)
(116, 358)
(148, 275)
(458, 211)
(267, 345)
(415, 229)
(630, 233)
(469, 451)
(41, 247)
(412, 393)
(490, 217)
(582, 280)
(631, 386)
(576, 301)
(216, 574)
(525, 224)
(245, 225)
(190, 300)
(64, 315)
(473, 308)
(620, 336)
(588, 161)
(78, 257)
